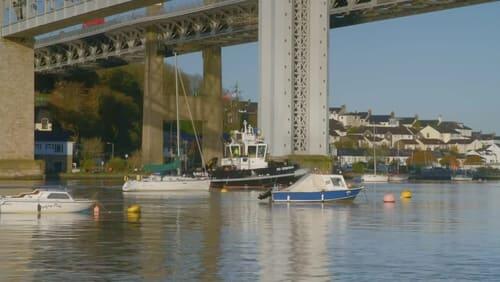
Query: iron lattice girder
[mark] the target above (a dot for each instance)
(224, 25)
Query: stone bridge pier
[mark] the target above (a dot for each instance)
(17, 108)
(159, 108)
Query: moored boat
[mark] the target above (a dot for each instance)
(155, 183)
(398, 177)
(375, 178)
(43, 200)
(158, 181)
(244, 165)
(317, 188)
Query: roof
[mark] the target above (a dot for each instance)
(52, 136)
(460, 141)
(394, 130)
(379, 118)
(363, 115)
(432, 141)
(448, 127)
(408, 142)
(406, 120)
(335, 125)
(431, 122)
(352, 152)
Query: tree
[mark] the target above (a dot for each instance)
(358, 167)
(421, 158)
(92, 148)
(450, 161)
(474, 160)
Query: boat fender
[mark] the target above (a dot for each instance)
(125, 178)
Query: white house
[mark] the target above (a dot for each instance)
(490, 155)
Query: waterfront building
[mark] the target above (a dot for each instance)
(55, 149)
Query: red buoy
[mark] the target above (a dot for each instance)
(389, 198)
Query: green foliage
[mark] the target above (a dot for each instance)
(421, 158)
(474, 160)
(417, 125)
(92, 149)
(346, 143)
(449, 161)
(88, 165)
(134, 161)
(117, 165)
(358, 167)
(106, 104)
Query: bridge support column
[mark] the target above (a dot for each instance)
(153, 103)
(212, 89)
(17, 109)
(293, 38)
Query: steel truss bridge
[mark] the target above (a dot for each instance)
(223, 23)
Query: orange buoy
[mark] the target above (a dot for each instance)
(389, 198)
(96, 210)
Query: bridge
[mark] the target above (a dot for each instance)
(293, 42)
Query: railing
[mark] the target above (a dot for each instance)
(171, 7)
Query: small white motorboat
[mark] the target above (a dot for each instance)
(43, 200)
(157, 183)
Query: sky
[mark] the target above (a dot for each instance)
(442, 63)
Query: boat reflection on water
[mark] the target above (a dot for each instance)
(24, 236)
(301, 245)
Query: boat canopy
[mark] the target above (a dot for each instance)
(162, 168)
(318, 183)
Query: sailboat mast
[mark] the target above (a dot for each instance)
(177, 108)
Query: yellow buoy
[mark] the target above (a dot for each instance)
(134, 209)
(223, 190)
(406, 194)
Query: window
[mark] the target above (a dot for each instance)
(58, 148)
(261, 151)
(252, 151)
(45, 123)
(57, 196)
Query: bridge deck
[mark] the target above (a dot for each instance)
(226, 22)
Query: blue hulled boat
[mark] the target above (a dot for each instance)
(317, 188)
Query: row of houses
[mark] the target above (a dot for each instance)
(366, 130)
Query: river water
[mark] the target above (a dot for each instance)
(445, 232)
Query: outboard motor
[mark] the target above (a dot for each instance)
(265, 195)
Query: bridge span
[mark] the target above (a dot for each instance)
(293, 42)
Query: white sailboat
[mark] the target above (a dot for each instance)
(156, 183)
(398, 177)
(374, 178)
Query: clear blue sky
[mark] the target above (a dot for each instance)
(444, 63)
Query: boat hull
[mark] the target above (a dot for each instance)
(259, 182)
(372, 178)
(23, 206)
(322, 196)
(158, 186)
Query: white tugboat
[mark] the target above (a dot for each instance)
(244, 165)
(43, 200)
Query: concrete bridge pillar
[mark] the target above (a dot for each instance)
(293, 43)
(212, 90)
(17, 108)
(154, 99)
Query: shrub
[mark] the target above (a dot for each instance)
(116, 165)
